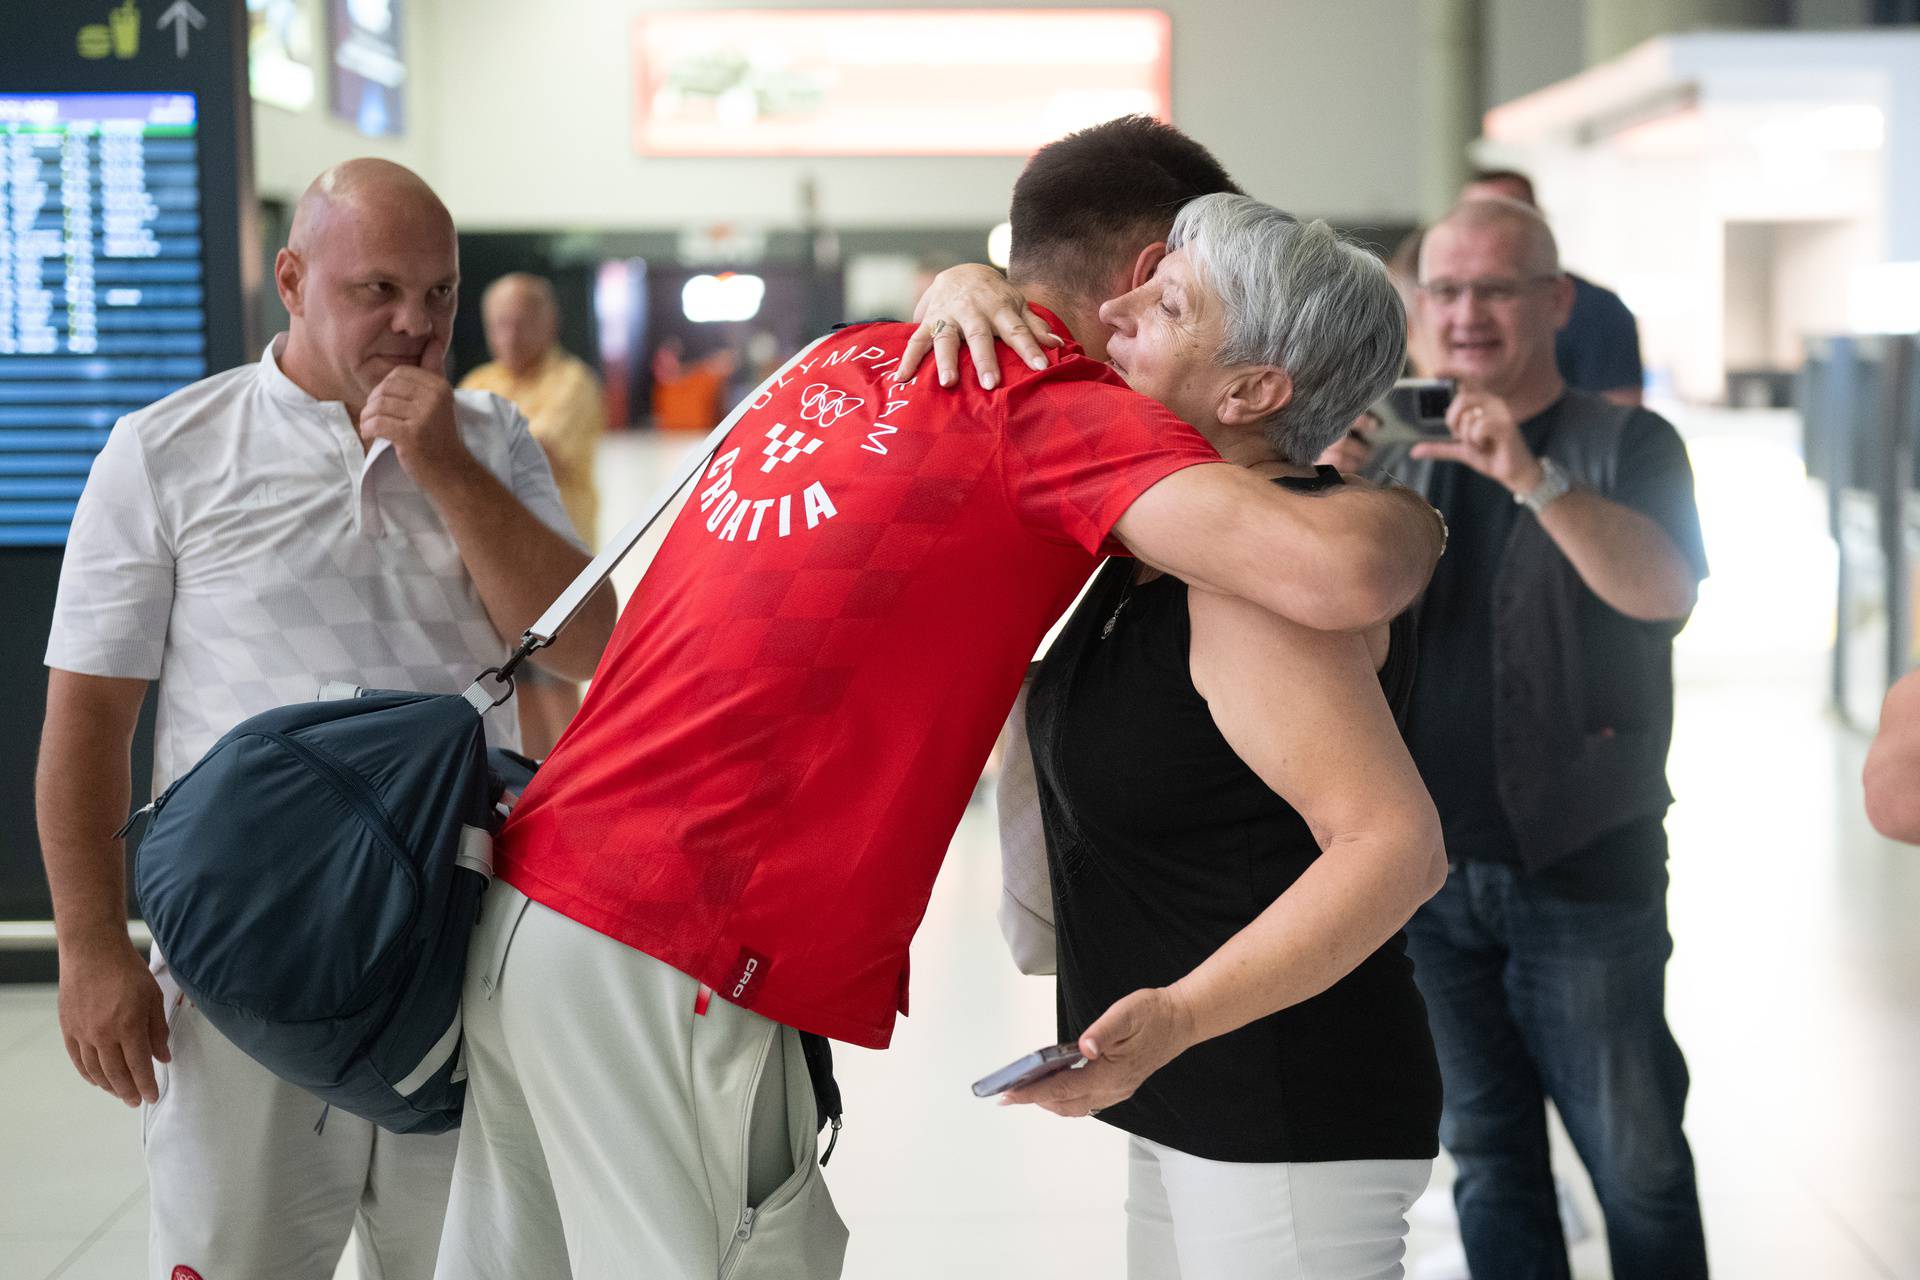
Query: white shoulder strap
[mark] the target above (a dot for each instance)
(567, 606)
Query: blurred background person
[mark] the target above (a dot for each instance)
(690, 394)
(1598, 349)
(560, 397)
(1541, 721)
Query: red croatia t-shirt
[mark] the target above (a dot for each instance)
(785, 729)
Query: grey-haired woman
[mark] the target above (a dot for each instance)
(1235, 832)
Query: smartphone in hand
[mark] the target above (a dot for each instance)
(1033, 1068)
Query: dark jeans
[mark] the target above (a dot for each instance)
(1533, 996)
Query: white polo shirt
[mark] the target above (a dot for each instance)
(238, 544)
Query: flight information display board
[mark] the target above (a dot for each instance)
(129, 256)
(103, 298)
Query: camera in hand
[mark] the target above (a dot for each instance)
(1422, 403)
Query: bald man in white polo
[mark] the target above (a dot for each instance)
(335, 513)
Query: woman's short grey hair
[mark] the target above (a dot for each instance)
(1299, 296)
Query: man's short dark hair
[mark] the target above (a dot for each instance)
(1088, 203)
(1513, 176)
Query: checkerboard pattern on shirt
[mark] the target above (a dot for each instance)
(236, 543)
(786, 444)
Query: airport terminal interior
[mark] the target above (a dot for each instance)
(701, 188)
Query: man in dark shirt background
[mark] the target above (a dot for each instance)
(1598, 349)
(1541, 717)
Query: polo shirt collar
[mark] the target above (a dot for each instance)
(288, 393)
(278, 385)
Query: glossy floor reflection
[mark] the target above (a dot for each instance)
(1794, 987)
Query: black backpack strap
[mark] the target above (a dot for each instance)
(826, 1090)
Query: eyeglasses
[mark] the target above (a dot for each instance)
(1494, 292)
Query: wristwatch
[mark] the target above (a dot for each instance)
(1553, 486)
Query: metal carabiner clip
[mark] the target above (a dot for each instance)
(482, 700)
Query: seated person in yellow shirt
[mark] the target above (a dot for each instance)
(561, 399)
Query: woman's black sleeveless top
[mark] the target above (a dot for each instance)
(1162, 845)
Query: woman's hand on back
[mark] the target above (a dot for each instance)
(974, 302)
(1140, 1034)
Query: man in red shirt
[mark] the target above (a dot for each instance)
(738, 834)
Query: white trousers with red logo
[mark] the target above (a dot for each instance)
(241, 1185)
(612, 1131)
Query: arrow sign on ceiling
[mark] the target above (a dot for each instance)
(184, 19)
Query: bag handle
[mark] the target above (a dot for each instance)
(566, 607)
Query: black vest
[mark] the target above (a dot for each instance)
(1573, 763)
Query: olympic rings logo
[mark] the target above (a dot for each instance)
(826, 405)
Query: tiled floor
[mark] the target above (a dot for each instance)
(1795, 990)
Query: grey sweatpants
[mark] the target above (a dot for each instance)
(611, 1130)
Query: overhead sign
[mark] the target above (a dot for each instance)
(369, 65)
(890, 81)
(185, 20)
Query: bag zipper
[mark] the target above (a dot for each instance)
(159, 802)
(358, 795)
(362, 800)
(833, 1141)
(152, 806)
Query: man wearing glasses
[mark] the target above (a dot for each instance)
(1540, 721)
(1598, 349)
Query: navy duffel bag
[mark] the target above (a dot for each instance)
(313, 890)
